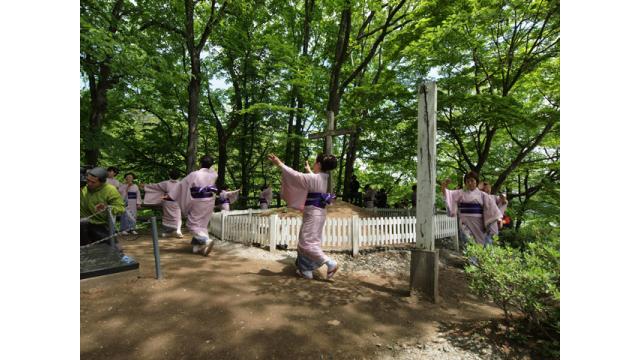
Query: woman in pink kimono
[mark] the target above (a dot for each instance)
(112, 171)
(308, 193)
(265, 197)
(501, 200)
(171, 215)
(501, 203)
(195, 194)
(478, 210)
(131, 195)
(228, 197)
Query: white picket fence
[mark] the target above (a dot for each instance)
(245, 226)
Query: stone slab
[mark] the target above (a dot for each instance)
(102, 259)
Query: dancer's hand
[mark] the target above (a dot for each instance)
(444, 184)
(100, 207)
(306, 166)
(274, 160)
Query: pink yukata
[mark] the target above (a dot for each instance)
(114, 182)
(265, 198)
(478, 213)
(131, 196)
(494, 227)
(501, 206)
(228, 198)
(195, 194)
(171, 215)
(295, 188)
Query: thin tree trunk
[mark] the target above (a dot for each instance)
(296, 162)
(300, 121)
(194, 47)
(338, 181)
(98, 109)
(351, 158)
(342, 45)
(290, 131)
(99, 85)
(194, 102)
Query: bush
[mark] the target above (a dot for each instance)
(519, 239)
(526, 281)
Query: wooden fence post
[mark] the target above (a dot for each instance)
(273, 225)
(222, 216)
(455, 237)
(355, 235)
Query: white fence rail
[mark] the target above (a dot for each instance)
(339, 233)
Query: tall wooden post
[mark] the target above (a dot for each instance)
(328, 135)
(424, 259)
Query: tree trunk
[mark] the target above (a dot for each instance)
(290, 131)
(194, 102)
(299, 125)
(342, 44)
(98, 89)
(351, 159)
(338, 182)
(98, 110)
(194, 47)
(297, 120)
(222, 161)
(523, 153)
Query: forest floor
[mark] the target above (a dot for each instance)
(244, 302)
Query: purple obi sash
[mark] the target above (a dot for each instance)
(320, 200)
(131, 195)
(226, 201)
(202, 192)
(470, 208)
(262, 200)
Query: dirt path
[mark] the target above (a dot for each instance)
(246, 303)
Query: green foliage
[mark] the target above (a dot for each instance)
(520, 239)
(498, 86)
(527, 281)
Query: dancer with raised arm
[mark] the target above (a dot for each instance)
(112, 171)
(265, 197)
(228, 197)
(478, 210)
(308, 193)
(171, 214)
(195, 194)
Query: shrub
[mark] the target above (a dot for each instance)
(527, 281)
(519, 239)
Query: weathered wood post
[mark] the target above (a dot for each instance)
(328, 135)
(273, 235)
(424, 258)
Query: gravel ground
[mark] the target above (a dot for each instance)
(392, 263)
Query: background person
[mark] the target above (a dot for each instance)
(94, 199)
